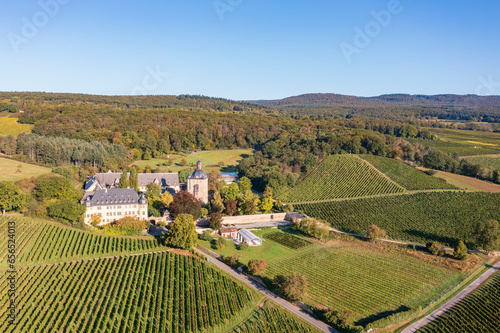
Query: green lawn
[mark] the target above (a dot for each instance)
(270, 251)
(14, 170)
(9, 126)
(228, 160)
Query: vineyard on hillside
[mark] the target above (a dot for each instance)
(341, 176)
(44, 242)
(366, 281)
(271, 318)
(486, 161)
(405, 175)
(446, 217)
(288, 240)
(478, 312)
(161, 292)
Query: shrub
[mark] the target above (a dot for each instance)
(233, 260)
(460, 252)
(435, 248)
(206, 235)
(161, 224)
(128, 225)
(218, 243)
(375, 233)
(340, 321)
(66, 209)
(243, 246)
(215, 221)
(293, 287)
(257, 266)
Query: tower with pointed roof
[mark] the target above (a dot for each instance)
(197, 184)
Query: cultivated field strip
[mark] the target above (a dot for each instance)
(405, 175)
(364, 283)
(443, 216)
(341, 176)
(271, 318)
(478, 312)
(43, 242)
(160, 292)
(288, 240)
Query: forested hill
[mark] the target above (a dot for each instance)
(321, 100)
(15, 101)
(395, 107)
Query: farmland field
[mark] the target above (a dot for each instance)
(271, 318)
(9, 126)
(46, 242)
(160, 292)
(446, 217)
(210, 159)
(341, 176)
(485, 161)
(478, 312)
(482, 139)
(366, 281)
(405, 175)
(288, 240)
(13, 170)
(454, 147)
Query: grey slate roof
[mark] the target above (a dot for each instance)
(199, 173)
(110, 179)
(113, 196)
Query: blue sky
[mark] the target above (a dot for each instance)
(250, 49)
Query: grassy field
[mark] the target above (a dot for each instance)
(340, 176)
(450, 147)
(446, 217)
(486, 161)
(366, 280)
(405, 175)
(478, 312)
(468, 183)
(160, 292)
(9, 126)
(272, 318)
(212, 160)
(14, 170)
(42, 241)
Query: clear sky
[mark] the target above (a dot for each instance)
(250, 49)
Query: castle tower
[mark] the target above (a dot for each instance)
(197, 184)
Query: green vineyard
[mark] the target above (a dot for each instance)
(161, 292)
(478, 312)
(288, 240)
(366, 281)
(405, 175)
(45, 242)
(486, 161)
(271, 318)
(341, 176)
(446, 217)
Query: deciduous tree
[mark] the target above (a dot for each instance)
(182, 233)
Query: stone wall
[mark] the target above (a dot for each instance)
(243, 219)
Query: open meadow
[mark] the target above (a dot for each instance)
(10, 126)
(219, 160)
(14, 170)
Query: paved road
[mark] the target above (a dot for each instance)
(264, 291)
(470, 288)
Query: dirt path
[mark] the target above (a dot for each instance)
(468, 183)
(454, 301)
(266, 292)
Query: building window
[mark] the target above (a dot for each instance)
(196, 190)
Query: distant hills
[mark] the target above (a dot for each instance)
(328, 100)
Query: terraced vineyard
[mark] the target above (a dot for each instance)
(341, 176)
(288, 240)
(161, 292)
(44, 242)
(446, 217)
(478, 312)
(365, 281)
(271, 318)
(405, 175)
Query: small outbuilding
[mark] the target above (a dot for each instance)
(245, 236)
(229, 232)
